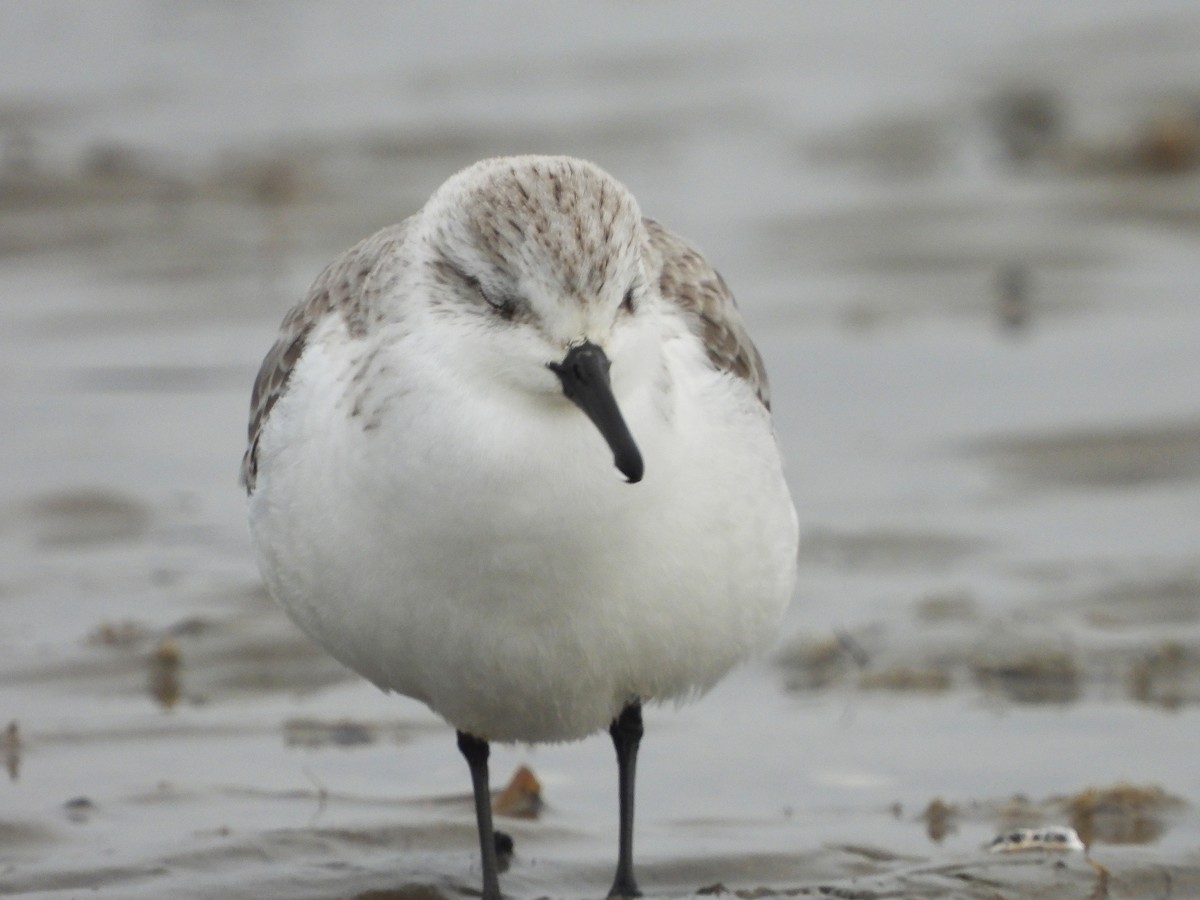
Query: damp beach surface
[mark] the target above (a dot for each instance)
(966, 246)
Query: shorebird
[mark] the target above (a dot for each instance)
(430, 468)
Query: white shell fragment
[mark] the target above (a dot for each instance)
(1055, 838)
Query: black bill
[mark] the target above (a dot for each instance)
(584, 376)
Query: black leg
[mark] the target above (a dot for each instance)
(626, 731)
(476, 752)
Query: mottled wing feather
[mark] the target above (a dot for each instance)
(342, 289)
(688, 281)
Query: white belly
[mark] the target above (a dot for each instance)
(508, 577)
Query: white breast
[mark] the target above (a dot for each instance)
(507, 576)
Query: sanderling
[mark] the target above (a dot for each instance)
(430, 468)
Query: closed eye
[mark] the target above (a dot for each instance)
(627, 303)
(504, 305)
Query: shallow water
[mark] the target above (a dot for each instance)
(967, 247)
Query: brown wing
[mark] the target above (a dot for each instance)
(688, 281)
(348, 287)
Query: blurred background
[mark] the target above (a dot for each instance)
(965, 238)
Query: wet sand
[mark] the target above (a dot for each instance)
(969, 259)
